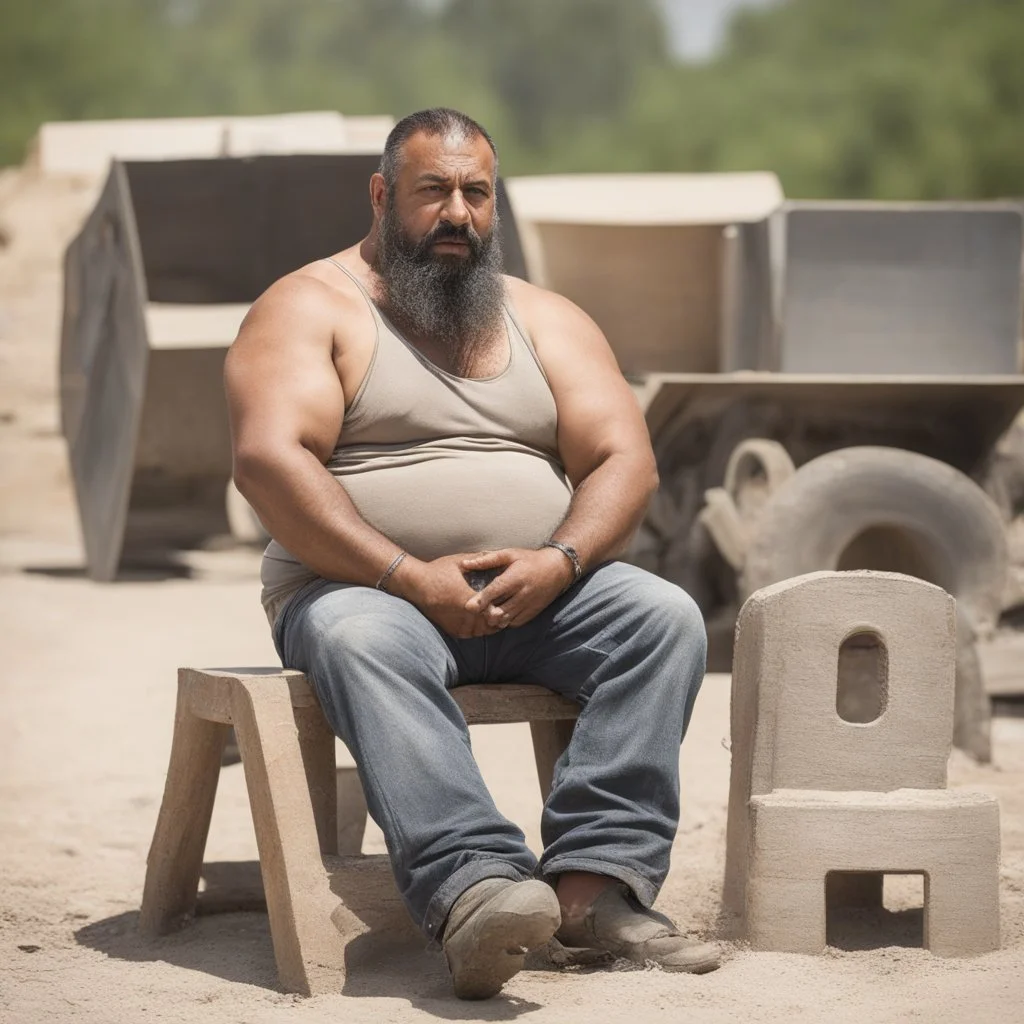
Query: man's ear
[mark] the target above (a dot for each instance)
(378, 194)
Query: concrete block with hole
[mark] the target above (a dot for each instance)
(813, 794)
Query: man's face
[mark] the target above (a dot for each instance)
(443, 198)
(438, 257)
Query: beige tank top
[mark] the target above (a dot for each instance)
(442, 464)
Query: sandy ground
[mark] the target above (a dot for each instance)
(86, 703)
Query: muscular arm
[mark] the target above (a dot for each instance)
(286, 404)
(286, 407)
(602, 437)
(604, 447)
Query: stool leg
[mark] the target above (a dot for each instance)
(549, 742)
(176, 854)
(316, 744)
(352, 811)
(309, 950)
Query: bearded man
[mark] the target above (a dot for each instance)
(407, 420)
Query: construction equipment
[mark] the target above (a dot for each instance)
(156, 285)
(842, 407)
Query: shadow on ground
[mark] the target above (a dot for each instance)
(236, 946)
(152, 571)
(875, 928)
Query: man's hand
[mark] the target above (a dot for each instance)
(529, 582)
(440, 590)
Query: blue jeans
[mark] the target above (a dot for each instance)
(628, 646)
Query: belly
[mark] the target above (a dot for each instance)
(445, 502)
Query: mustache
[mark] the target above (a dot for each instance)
(446, 232)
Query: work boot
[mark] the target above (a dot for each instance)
(491, 928)
(619, 924)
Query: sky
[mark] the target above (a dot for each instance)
(697, 26)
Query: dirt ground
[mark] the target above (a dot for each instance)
(86, 704)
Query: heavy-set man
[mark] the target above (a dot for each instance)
(407, 419)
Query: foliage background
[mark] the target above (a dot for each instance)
(846, 98)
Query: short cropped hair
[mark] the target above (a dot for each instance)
(435, 121)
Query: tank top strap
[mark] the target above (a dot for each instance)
(524, 337)
(359, 284)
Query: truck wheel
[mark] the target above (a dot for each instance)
(757, 468)
(884, 508)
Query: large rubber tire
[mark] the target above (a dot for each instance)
(949, 527)
(941, 522)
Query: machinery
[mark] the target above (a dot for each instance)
(824, 383)
(156, 285)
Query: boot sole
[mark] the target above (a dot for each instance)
(493, 946)
(688, 963)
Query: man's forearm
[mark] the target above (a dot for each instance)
(310, 514)
(607, 508)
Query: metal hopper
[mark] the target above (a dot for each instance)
(672, 267)
(156, 285)
(822, 381)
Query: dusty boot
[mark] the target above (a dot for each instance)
(617, 923)
(491, 928)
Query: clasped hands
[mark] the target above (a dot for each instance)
(528, 582)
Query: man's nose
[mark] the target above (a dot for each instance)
(455, 211)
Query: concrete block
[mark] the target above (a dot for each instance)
(786, 677)
(798, 837)
(812, 793)
(86, 148)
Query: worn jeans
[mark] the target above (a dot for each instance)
(626, 645)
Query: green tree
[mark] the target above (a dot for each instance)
(884, 98)
(553, 64)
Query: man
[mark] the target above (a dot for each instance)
(408, 421)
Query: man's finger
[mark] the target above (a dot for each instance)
(498, 591)
(487, 560)
(496, 616)
(504, 613)
(522, 616)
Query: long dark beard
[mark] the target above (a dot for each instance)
(453, 301)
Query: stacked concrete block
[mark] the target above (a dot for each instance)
(813, 795)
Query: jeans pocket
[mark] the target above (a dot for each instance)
(604, 642)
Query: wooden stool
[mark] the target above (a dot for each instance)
(287, 748)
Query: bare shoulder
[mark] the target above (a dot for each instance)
(564, 336)
(544, 312)
(309, 305)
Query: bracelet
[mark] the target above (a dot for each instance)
(570, 553)
(382, 583)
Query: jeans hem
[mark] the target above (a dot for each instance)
(469, 874)
(643, 888)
